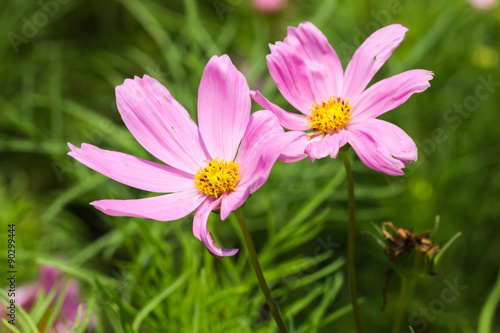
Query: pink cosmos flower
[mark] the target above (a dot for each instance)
(26, 296)
(206, 169)
(269, 6)
(483, 4)
(336, 108)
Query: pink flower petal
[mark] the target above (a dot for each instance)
(290, 73)
(26, 295)
(262, 128)
(265, 162)
(388, 94)
(160, 123)
(295, 151)
(263, 142)
(269, 6)
(201, 231)
(69, 309)
(233, 200)
(321, 59)
(48, 277)
(305, 67)
(132, 171)
(483, 4)
(382, 146)
(71, 302)
(289, 120)
(60, 327)
(223, 107)
(369, 57)
(166, 207)
(329, 145)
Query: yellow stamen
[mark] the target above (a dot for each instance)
(217, 177)
(330, 115)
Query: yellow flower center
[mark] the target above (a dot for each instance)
(330, 115)
(217, 177)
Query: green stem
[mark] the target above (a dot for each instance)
(262, 281)
(400, 310)
(351, 270)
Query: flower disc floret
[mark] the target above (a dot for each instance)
(217, 177)
(330, 115)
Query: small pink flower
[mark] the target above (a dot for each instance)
(269, 6)
(207, 170)
(336, 107)
(483, 4)
(26, 296)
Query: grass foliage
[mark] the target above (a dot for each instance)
(146, 276)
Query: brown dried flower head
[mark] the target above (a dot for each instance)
(402, 242)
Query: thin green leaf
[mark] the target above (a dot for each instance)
(28, 323)
(158, 299)
(446, 247)
(487, 314)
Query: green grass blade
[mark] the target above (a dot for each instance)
(11, 327)
(56, 309)
(30, 326)
(446, 246)
(157, 300)
(487, 314)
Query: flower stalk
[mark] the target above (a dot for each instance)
(258, 271)
(351, 269)
(400, 310)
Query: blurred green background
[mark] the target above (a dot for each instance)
(60, 63)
